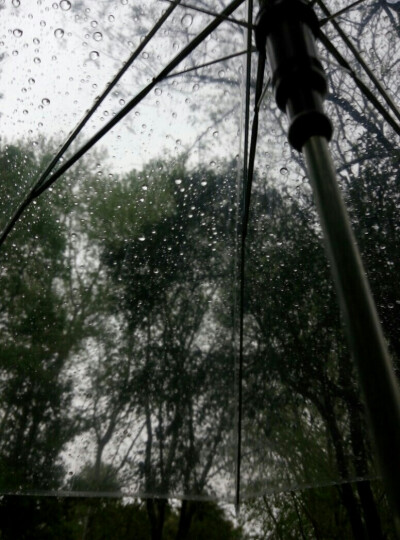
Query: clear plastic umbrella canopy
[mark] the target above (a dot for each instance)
(121, 367)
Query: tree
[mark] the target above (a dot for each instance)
(167, 274)
(35, 344)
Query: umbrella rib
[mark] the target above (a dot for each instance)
(363, 87)
(361, 61)
(248, 177)
(206, 64)
(322, 22)
(260, 92)
(74, 134)
(239, 367)
(34, 193)
(212, 13)
(266, 87)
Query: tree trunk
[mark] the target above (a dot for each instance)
(371, 515)
(345, 490)
(156, 514)
(187, 511)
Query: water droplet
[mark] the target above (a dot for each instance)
(37, 60)
(15, 53)
(58, 32)
(195, 87)
(93, 55)
(42, 24)
(46, 101)
(203, 182)
(36, 41)
(144, 188)
(124, 2)
(178, 181)
(111, 18)
(17, 32)
(187, 20)
(145, 55)
(215, 134)
(93, 24)
(31, 81)
(16, 3)
(122, 101)
(65, 5)
(283, 171)
(142, 238)
(97, 36)
(158, 91)
(25, 111)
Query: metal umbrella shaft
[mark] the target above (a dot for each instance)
(378, 381)
(287, 30)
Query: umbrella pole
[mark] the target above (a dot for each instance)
(378, 381)
(286, 30)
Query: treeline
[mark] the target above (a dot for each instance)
(118, 355)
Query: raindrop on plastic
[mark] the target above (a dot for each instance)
(65, 5)
(187, 20)
(58, 32)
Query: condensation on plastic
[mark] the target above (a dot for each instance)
(117, 327)
(116, 352)
(304, 421)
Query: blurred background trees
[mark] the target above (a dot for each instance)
(117, 358)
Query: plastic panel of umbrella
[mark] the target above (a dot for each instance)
(304, 422)
(118, 346)
(118, 283)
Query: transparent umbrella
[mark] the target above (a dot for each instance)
(141, 354)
